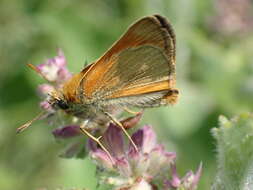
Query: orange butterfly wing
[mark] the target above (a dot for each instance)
(142, 62)
(71, 88)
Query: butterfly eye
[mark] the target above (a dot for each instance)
(62, 104)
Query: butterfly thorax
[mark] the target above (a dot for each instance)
(68, 100)
(70, 89)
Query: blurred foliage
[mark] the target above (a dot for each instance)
(234, 153)
(214, 75)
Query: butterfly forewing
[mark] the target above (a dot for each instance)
(142, 62)
(135, 68)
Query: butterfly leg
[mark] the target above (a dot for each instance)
(115, 121)
(97, 140)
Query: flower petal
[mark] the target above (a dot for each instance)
(92, 145)
(103, 159)
(123, 167)
(141, 165)
(60, 60)
(160, 160)
(137, 137)
(66, 132)
(145, 139)
(130, 122)
(46, 106)
(190, 181)
(197, 176)
(45, 89)
(63, 74)
(141, 185)
(149, 139)
(175, 181)
(54, 69)
(113, 140)
(49, 71)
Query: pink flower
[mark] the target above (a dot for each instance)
(73, 131)
(233, 17)
(188, 182)
(54, 70)
(130, 167)
(67, 131)
(45, 89)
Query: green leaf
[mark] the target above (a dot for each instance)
(234, 152)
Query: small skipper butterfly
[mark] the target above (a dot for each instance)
(137, 71)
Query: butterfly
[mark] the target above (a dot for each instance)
(137, 71)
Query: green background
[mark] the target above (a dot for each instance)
(214, 75)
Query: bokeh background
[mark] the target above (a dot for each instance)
(214, 75)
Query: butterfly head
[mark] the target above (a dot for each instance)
(57, 101)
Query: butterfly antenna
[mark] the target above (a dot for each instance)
(31, 66)
(29, 123)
